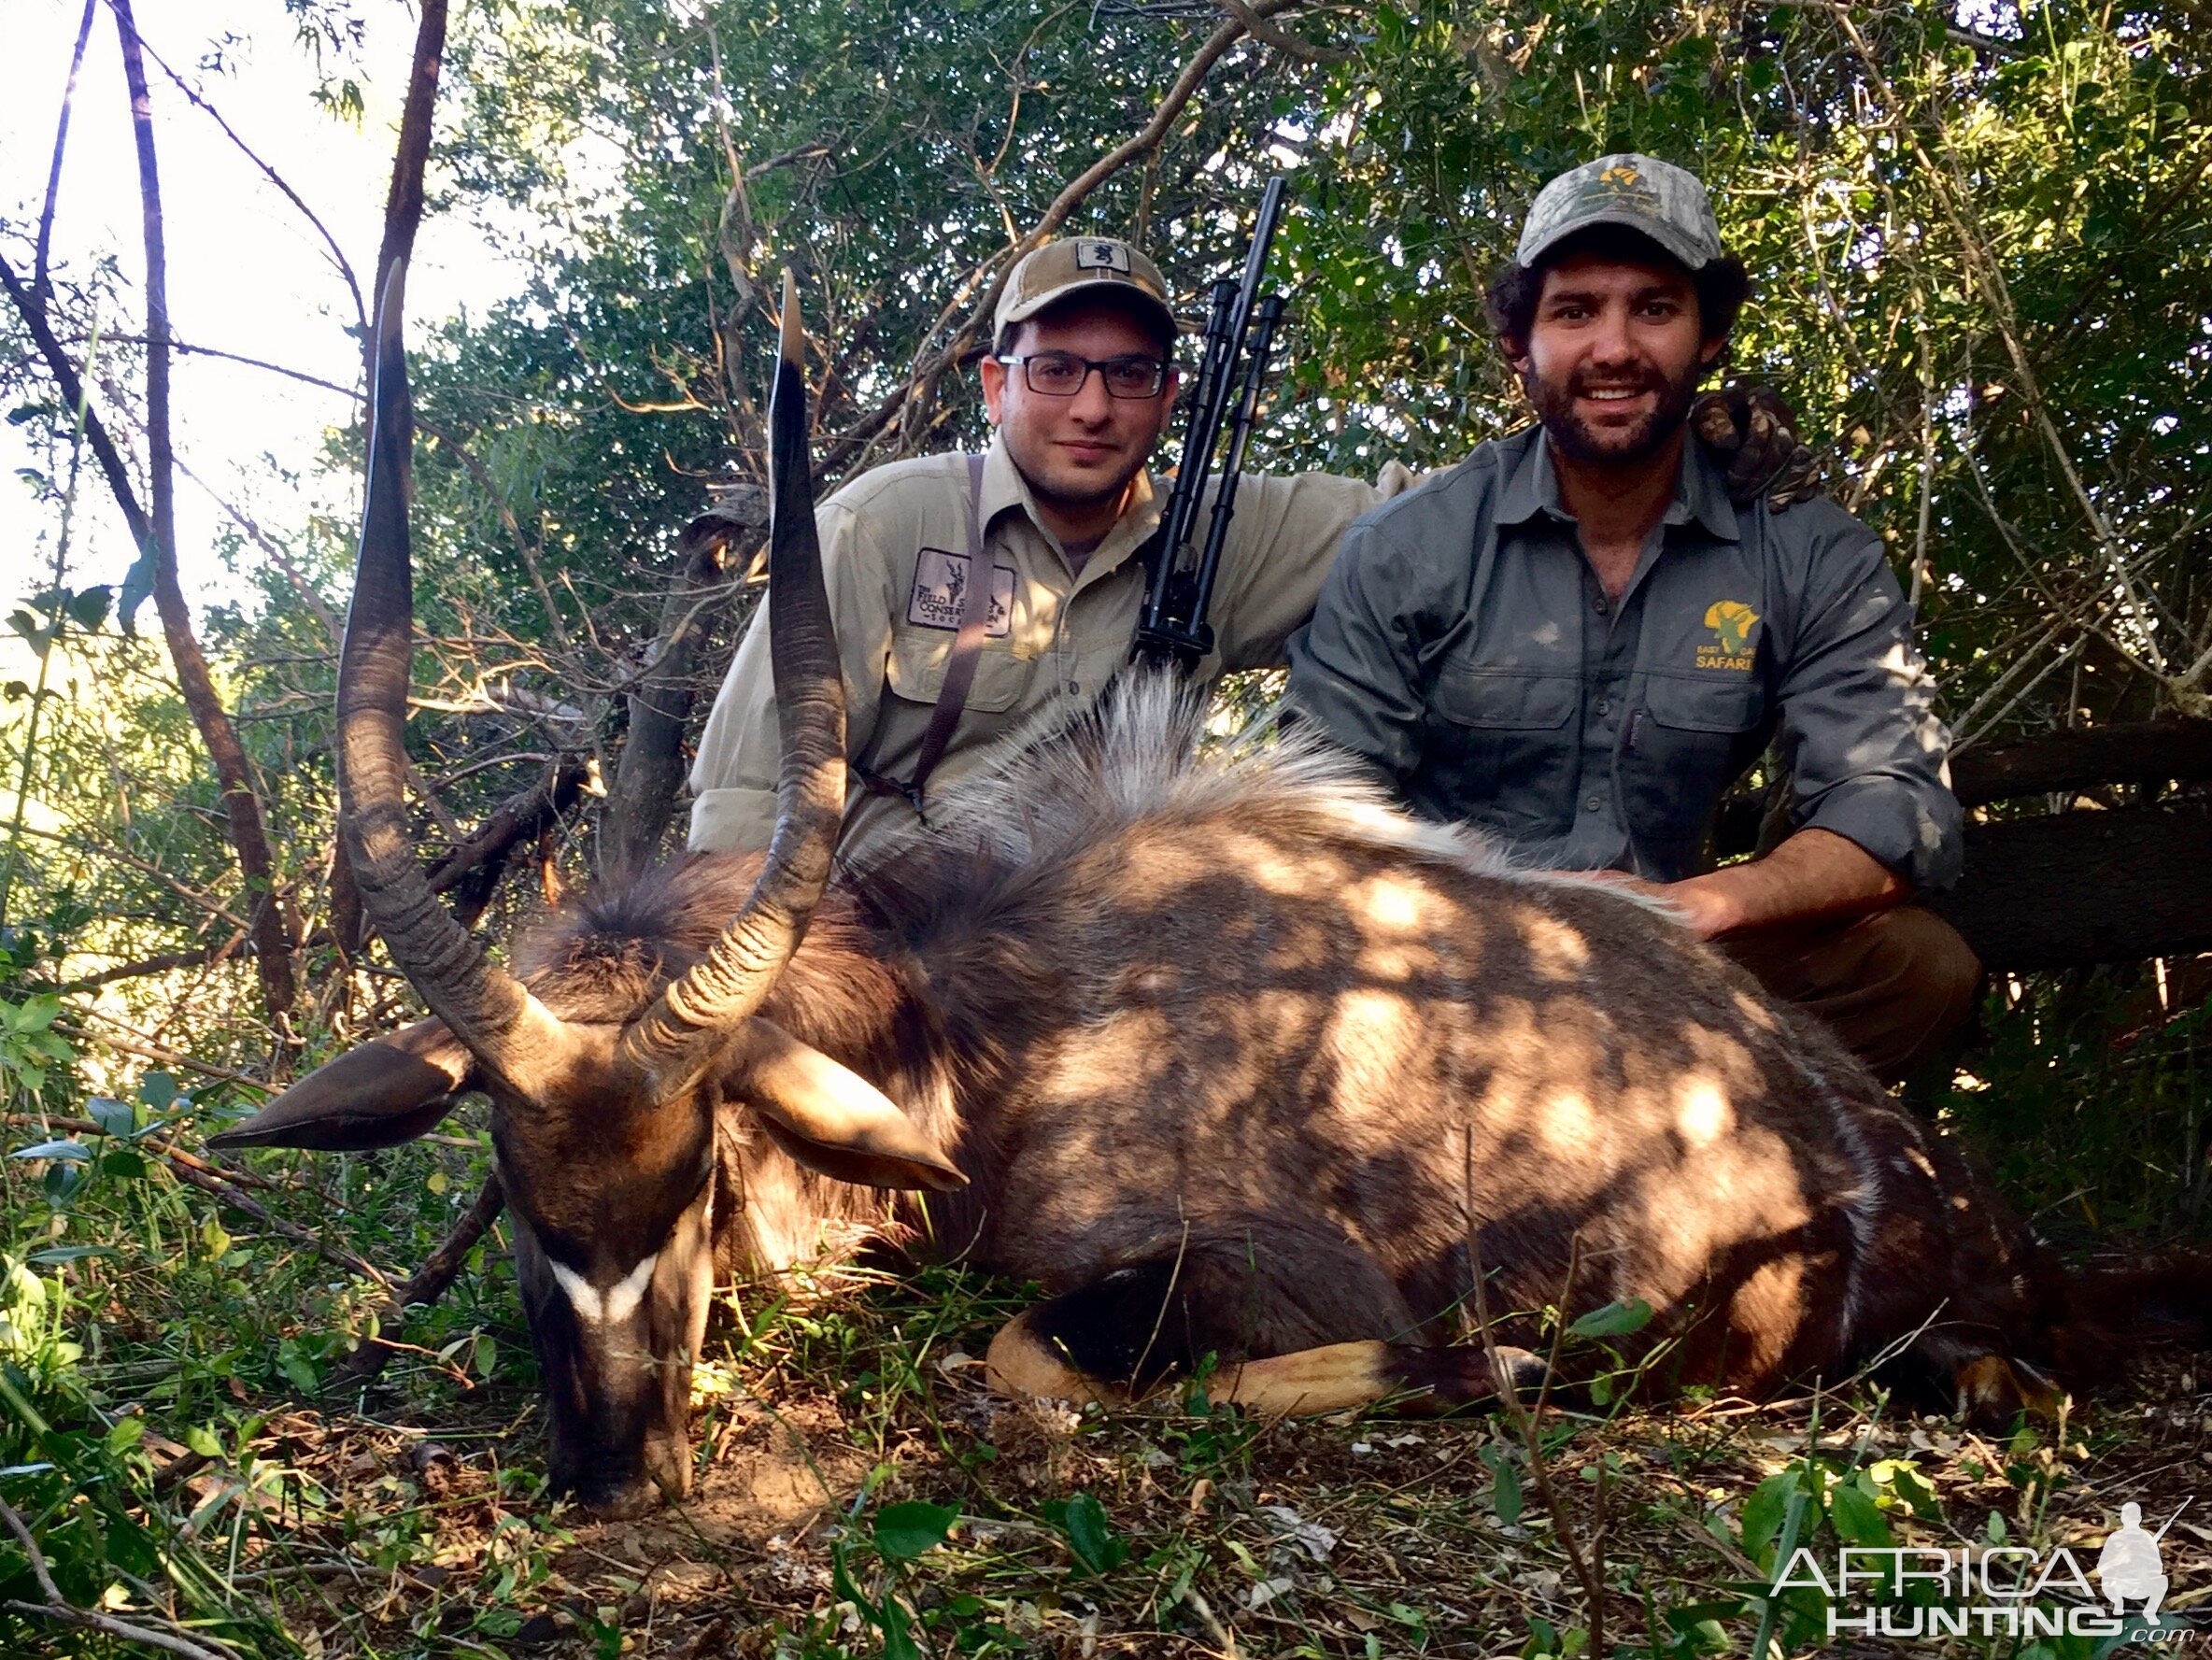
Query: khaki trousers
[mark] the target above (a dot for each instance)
(1893, 986)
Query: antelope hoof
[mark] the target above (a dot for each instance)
(1021, 1364)
(1992, 1392)
(1342, 1376)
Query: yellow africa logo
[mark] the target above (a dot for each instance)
(1732, 622)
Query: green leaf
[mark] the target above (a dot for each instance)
(1763, 1513)
(158, 1090)
(124, 1165)
(1857, 1519)
(68, 1150)
(298, 1370)
(905, 1531)
(201, 1439)
(1616, 1319)
(137, 589)
(1091, 1536)
(89, 608)
(55, 1254)
(1697, 1613)
(114, 1117)
(1505, 1491)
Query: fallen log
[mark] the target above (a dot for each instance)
(2084, 758)
(2071, 888)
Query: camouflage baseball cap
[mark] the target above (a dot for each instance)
(1665, 202)
(1075, 265)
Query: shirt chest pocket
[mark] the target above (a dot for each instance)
(1731, 704)
(920, 656)
(1503, 701)
(1692, 739)
(1503, 739)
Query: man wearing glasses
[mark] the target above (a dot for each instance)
(1080, 387)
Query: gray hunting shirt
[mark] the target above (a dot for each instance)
(1465, 646)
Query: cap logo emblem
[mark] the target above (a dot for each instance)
(1622, 185)
(1101, 254)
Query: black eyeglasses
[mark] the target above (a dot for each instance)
(1062, 374)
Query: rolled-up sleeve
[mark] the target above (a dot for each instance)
(1355, 668)
(1858, 721)
(733, 778)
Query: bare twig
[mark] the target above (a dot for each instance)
(1281, 40)
(63, 1611)
(1524, 1421)
(330, 243)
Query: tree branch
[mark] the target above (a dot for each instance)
(53, 172)
(63, 1611)
(429, 1282)
(242, 804)
(338, 259)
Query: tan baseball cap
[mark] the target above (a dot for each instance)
(1665, 202)
(1076, 266)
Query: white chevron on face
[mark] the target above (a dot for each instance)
(614, 1305)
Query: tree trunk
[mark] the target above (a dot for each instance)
(242, 805)
(651, 770)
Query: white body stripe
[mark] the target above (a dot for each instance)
(617, 1303)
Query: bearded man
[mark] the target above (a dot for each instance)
(1576, 643)
(941, 671)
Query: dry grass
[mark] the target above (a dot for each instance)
(1352, 1537)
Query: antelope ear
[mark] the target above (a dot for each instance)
(827, 1116)
(378, 1095)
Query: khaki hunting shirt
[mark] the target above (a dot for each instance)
(1464, 645)
(894, 556)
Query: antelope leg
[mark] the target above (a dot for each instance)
(1338, 1376)
(1022, 1364)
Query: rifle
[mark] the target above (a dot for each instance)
(1172, 629)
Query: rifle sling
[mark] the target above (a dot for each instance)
(959, 669)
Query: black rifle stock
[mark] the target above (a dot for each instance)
(1171, 630)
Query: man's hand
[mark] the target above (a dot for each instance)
(1755, 431)
(1699, 909)
(1814, 876)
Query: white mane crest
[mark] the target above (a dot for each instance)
(1140, 754)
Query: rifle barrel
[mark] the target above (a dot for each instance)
(1172, 624)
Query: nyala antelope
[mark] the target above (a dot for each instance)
(1234, 1059)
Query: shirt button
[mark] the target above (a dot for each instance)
(1603, 605)
(1073, 688)
(1595, 804)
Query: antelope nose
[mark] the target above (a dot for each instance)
(625, 1503)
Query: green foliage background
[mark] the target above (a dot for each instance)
(1980, 241)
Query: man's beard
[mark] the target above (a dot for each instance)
(1079, 498)
(1556, 407)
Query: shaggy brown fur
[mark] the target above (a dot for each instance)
(1211, 1040)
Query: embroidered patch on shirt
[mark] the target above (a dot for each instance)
(940, 593)
(1732, 622)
